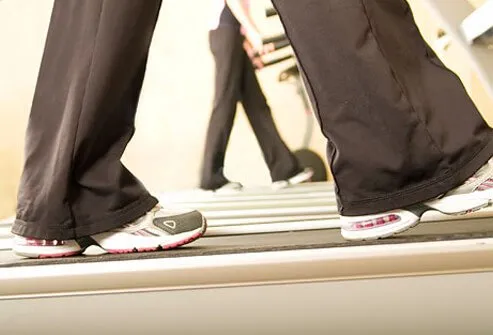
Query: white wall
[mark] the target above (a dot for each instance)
(23, 26)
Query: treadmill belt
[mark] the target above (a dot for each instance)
(299, 240)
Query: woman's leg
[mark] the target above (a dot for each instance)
(401, 127)
(227, 51)
(74, 184)
(281, 161)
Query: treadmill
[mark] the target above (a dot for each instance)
(272, 264)
(263, 280)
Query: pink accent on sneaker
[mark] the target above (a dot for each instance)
(41, 248)
(162, 247)
(144, 232)
(486, 185)
(377, 222)
(41, 243)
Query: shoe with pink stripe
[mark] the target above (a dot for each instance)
(475, 194)
(159, 229)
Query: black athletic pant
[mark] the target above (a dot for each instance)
(400, 126)
(235, 81)
(82, 118)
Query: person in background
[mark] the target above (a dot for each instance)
(236, 81)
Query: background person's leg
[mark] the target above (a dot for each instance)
(281, 161)
(401, 127)
(227, 51)
(82, 117)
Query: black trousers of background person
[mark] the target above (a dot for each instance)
(235, 81)
(400, 126)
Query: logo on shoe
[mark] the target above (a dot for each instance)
(171, 224)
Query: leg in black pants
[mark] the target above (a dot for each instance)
(280, 160)
(235, 80)
(74, 184)
(400, 126)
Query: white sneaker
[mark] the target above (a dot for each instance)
(480, 183)
(159, 229)
(475, 194)
(229, 188)
(301, 177)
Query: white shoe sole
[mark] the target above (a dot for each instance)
(301, 177)
(121, 243)
(230, 188)
(71, 248)
(408, 220)
(451, 205)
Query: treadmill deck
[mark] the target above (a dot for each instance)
(473, 228)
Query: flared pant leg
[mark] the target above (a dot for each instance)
(400, 127)
(74, 183)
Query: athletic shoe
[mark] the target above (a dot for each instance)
(480, 183)
(231, 187)
(475, 194)
(159, 229)
(301, 177)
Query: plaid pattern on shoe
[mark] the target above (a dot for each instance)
(40, 248)
(376, 222)
(370, 227)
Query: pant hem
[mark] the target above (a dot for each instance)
(422, 192)
(102, 224)
(295, 171)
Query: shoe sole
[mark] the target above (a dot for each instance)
(390, 231)
(160, 247)
(395, 229)
(282, 184)
(27, 251)
(306, 177)
(45, 256)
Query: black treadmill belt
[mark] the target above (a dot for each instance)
(299, 240)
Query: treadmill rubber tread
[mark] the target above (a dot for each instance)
(314, 239)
